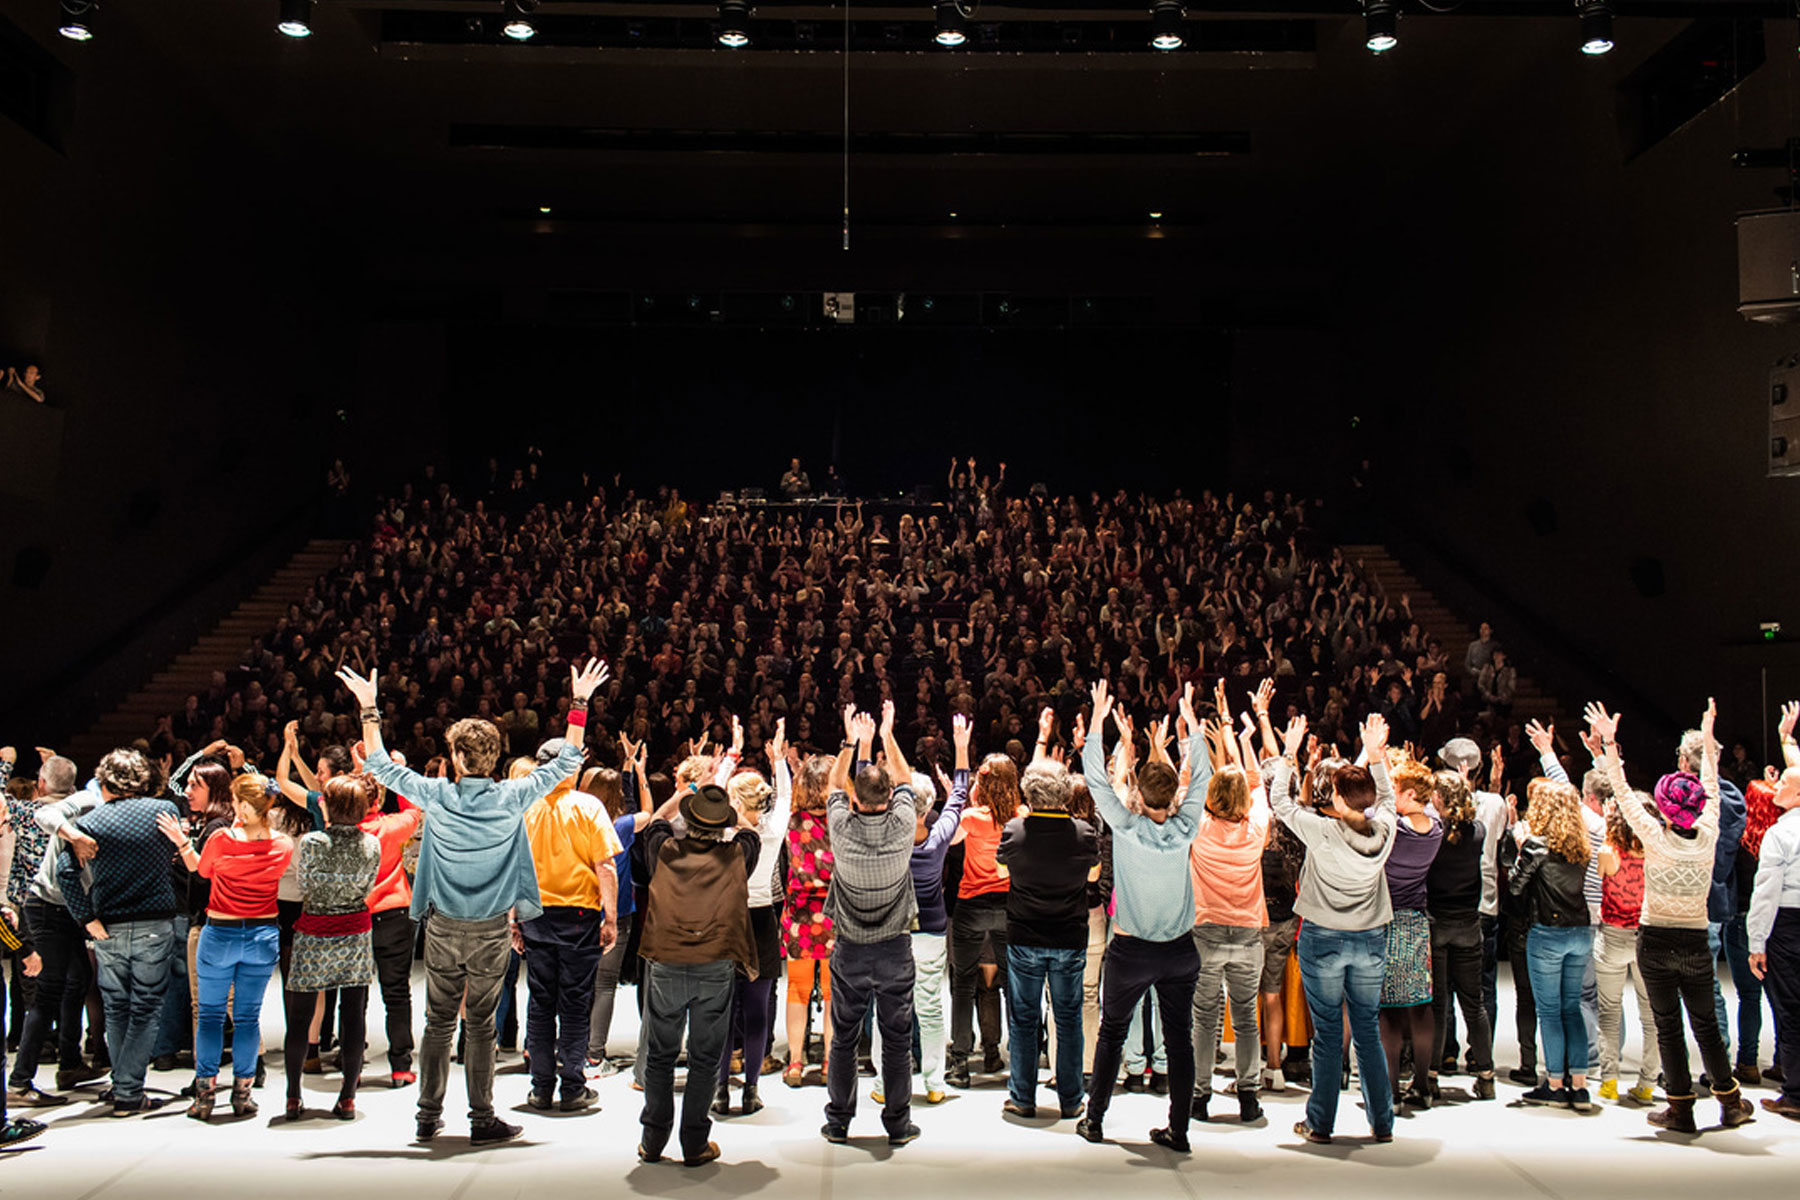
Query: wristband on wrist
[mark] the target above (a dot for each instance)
(371, 714)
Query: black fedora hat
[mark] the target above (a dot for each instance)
(708, 807)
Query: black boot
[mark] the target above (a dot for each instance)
(752, 1102)
(721, 1105)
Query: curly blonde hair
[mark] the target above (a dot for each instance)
(1553, 812)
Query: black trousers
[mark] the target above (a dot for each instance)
(351, 1034)
(979, 922)
(62, 988)
(562, 954)
(865, 976)
(1457, 967)
(1524, 1004)
(1678, 968)
(1782, 982)
(1131, 968)
(391, 938)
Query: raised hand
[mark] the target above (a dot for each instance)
(1375, 734)
(1542, 737)
(777, 744)
(1046, 724)
(290, 735)
(850, 722)
(1707, 721)
(1294, 735)
(1102, 705)
(1078, 736)
(1186, 706)
(887, 719)
(961, 733)
(1790, 714)
(737, 736)
(1259, 703)
(1159, 739)
(1219, 703)
(361, 688)
(587, 680)
(1604, 724)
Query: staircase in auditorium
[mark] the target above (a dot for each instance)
(1452, 631)
(218, 650)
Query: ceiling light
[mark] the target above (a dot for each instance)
(1165, 25)
(1156, 216)
(518, 25)
(77, 22)
(952, 23)
(734, 24)
(544, 208)
(1381, 21)
(296, 18)
(1596, 26)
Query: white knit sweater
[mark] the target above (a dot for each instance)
(1677, 870)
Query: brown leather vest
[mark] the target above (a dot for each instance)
(699, 906)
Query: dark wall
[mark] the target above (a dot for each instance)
(1564, 390)
(160, 282)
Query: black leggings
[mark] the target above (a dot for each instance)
(1397, 1024)
(351, 1033)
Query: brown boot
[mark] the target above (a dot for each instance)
(1734, 1110)
(1678, 1117)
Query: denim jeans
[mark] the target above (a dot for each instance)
(175, 1027)
(930, 952)
(1133, 968)
(1715, 945)
(62, 988)
(1615, 963)
(606, 989)
(233, 962)
(134, 963)
(1557, 957)
(562, 954)
(1344, 969)
(1146, 1021)
(1749, 991)
(1029, 970)
(697, 996)
(464, 964)
(866, 975)
(1231, 961)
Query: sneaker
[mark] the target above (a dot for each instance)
(1609, 1090)
(580, 1101)
(1090, 1130)
(492, 1132)
(1642, 1094)
(837, 1135)
(1545, 1096)
(402, 1079)
(132, 1108)
(540, 1100)
(606, 1068)
(1579, 1100)
(710, 1154)
(428, 1128)
(19, 1129)
(958, 1077)
(905, 1136)
(1274, 1081)
(1522, 1076)
(877, 1095)
(1013, 1108)
(1484, 1086)
(1159, 1083)
(933, 1096)
(1170, 1140)
(32, 1097)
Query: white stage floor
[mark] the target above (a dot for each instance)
(1457, 1150)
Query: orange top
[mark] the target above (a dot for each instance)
(570, 834)
(981, 839)
(1226, 862)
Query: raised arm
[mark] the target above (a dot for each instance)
(1543, 740)
(1305, 824)
(1605, 726)
(1093, 764)
(898, 771)
(1374, 739)
(1046, 726)
(1709, 769)
(1259, 704)
(1790, 752)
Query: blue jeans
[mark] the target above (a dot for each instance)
(134, 963)
(699, 997)
(1749, 995)
(1715, 944)
(175, 1026)
(1029, 969)
(1557, 958)
(1135, 1059)
(1339, 969)
(233, 964)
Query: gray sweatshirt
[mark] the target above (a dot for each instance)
(1343, 885)
(51, 816)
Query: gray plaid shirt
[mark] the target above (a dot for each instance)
(871, 897)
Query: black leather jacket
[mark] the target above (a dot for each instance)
(1550, 886)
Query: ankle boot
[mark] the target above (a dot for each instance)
(721, 1105)
(1678, 1117)
(752, 1102)
(202, 1107)
(1734, 1110)
(243, 1104)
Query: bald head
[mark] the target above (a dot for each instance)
(1787, 791)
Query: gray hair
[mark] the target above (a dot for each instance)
(57, 776)
(126, 772)
(925, 791)
(1046, 787)
(1597, 784)
(1691, 752)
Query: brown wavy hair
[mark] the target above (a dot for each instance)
(1228, 793)
(1454, 804)
(996, 788)
(1619, 835)
(812, 786)
(1553, 812)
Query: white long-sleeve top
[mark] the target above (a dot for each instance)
(772, 829)
(1777, 879)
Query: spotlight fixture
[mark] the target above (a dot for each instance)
(544, 209)
(77, 21)
(518, 24)
(1596, 26)
(952, 23)
(1165, 25)
(1381, 22)
(734, 24)
(296, 18)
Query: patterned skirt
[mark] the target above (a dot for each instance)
(1408, 978)
(321, 963)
